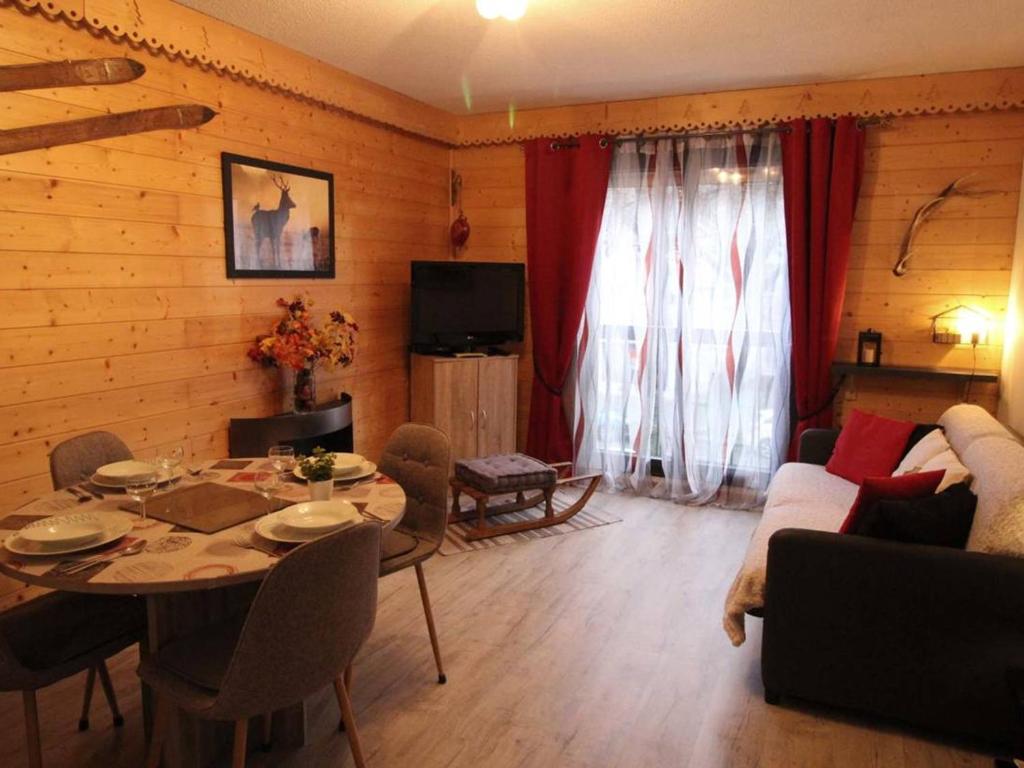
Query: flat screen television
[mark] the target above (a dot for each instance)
(460, 305)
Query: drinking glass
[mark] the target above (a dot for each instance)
(141, 488)
(282, 457)
(169, 459)
(266, 485)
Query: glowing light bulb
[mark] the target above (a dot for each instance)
(512, 10)
(723, 176)
(489, 9)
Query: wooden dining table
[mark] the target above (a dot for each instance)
(189, 579)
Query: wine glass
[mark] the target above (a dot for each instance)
(266, 485)
(140, 488)
(282, 457)
(170, 459)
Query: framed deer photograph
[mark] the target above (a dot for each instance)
(278, 219)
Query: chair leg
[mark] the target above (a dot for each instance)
(35, 751)
(161, 720)
(108, 691)
(347, 677)
(345, 705)
(90, 683)
(268, 731)
(441, 677)
(238, 751)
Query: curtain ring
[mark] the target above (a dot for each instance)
(603, 142)
(554, 146)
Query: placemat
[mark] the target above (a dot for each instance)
(208, 507)
(232, 464)
(17, 522)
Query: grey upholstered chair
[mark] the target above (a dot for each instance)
(417, 457)
(58, 635)
(84, 454)
(311, 614)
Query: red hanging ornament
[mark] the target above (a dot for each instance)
(460, 230)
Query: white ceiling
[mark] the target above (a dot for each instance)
(576, 51)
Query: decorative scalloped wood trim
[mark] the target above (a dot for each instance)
(163, 28)
(923, 94)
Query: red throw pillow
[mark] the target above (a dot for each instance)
(912, 486)
(869, 446)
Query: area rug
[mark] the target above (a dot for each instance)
(594, 515)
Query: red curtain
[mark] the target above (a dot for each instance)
(822, 166)
(565, 192)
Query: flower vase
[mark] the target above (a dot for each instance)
(305, 390)
(321, 490)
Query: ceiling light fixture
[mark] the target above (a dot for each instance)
(512, 10)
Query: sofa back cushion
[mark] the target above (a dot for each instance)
(965, 423)
(997, 464)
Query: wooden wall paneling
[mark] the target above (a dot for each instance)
(118, 314)
(962, 256)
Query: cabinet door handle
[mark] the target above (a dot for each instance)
(483, 418)
(472, 418)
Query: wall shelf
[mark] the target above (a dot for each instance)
(913, 372)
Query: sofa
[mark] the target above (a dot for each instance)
(929, 636)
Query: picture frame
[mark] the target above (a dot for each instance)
(278, 219)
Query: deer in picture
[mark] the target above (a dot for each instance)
(269, 224)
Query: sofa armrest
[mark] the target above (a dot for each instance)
(816, 446)
(926, 635)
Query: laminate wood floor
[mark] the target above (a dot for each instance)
(598, 649)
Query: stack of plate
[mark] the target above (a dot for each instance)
(307, 521)
(120, 473)
(63, 534)
(348, 467)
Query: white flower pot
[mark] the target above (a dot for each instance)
(321, 490)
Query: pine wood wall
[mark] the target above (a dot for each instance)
(116, 310)
(964, 253)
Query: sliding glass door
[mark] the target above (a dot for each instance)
(683, 368)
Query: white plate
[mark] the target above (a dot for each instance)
(106, 482)
(318, 516)
(366, 469)
(346, 464)
(121, 471)
(66, 530)
(271, 527)
(115, 525)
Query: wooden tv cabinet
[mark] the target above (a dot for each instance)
(471, 399)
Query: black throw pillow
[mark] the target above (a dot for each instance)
(917, 435)
(943, 519)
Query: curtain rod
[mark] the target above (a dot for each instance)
(863, 122)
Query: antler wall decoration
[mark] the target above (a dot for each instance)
(63, 74)
(925, 212)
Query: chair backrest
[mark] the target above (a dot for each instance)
(312, 613)
(85, 453)
(417, 457)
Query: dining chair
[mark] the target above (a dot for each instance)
(84, 454)
(311, 614)
(417, 457)
(58, 635)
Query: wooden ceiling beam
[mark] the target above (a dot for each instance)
(64, 74)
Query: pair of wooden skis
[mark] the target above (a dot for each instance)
(63, 74)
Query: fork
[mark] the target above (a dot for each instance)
(79, 495)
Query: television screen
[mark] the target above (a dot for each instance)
(464, 304)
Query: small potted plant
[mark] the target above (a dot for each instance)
(318, 470)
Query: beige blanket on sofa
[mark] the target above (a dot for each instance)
(800, 496)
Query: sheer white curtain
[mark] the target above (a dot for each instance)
(683, 360)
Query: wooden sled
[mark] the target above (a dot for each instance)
(536, 496)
